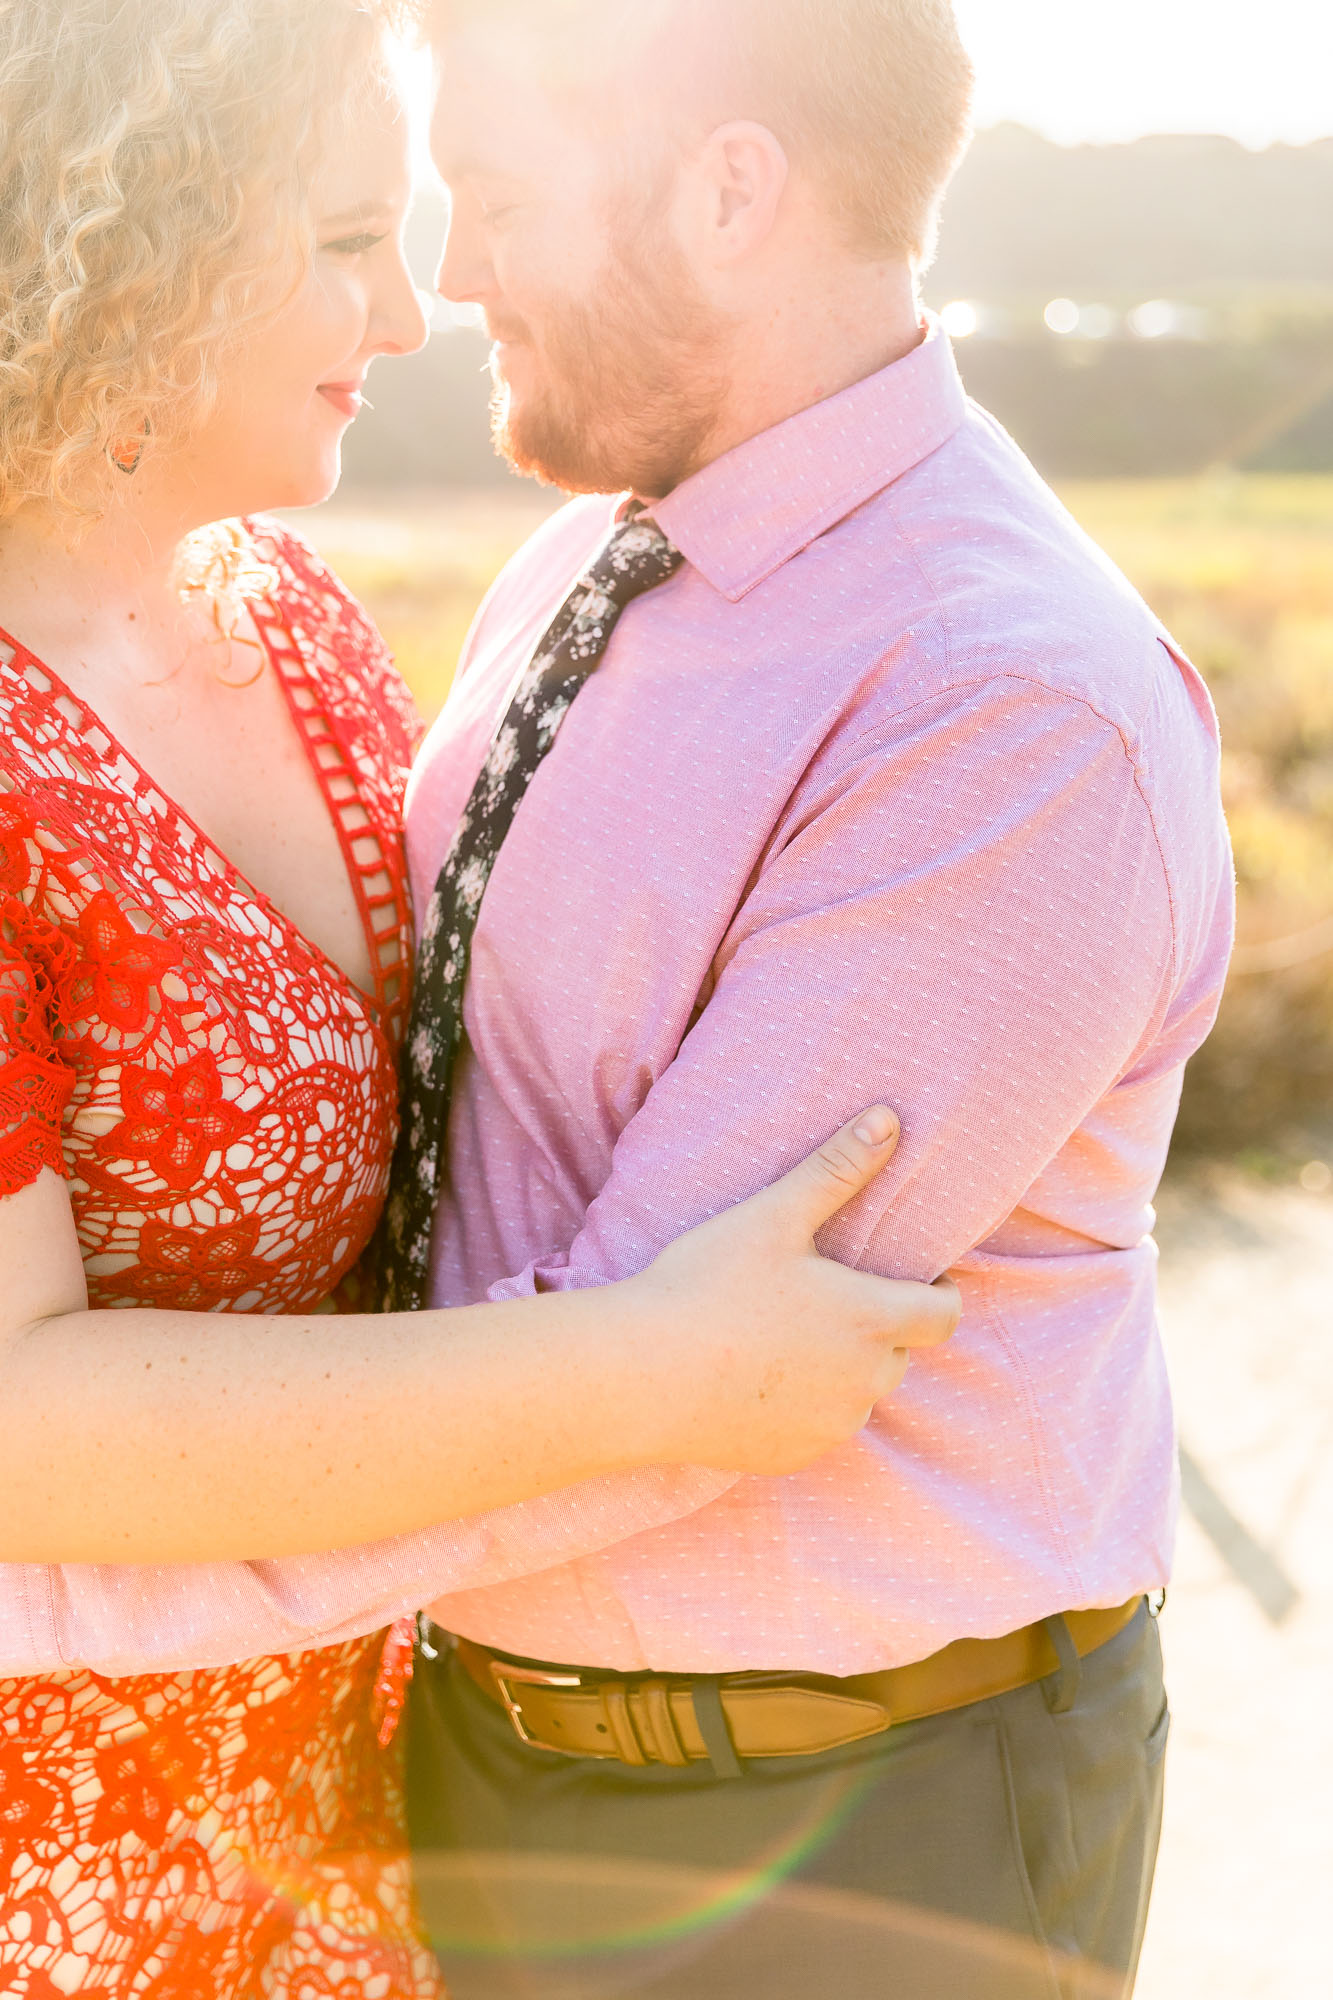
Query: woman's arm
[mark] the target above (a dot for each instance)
(161, 1437)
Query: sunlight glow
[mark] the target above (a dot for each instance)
(1103, 70)
(960, 320)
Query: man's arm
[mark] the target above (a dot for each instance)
(967, 913)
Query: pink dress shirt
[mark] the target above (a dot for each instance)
(897, 791)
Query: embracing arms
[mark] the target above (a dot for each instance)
(146, 1436)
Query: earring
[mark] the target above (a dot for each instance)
(127, 454)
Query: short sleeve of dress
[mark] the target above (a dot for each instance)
(35, 963)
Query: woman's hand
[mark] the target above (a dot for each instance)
(773, 1355)
(140, 1436)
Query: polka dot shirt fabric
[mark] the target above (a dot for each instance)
(895, 791)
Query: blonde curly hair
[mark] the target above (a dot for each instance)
(154, 160)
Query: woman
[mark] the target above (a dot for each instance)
(204, 962)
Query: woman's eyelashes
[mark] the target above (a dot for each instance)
(354, 246)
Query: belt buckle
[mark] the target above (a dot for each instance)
(502, 1673)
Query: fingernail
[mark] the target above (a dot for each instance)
(877, 1127)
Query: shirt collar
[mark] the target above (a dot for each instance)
(745, 515)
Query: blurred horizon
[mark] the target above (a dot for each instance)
(1160, 305)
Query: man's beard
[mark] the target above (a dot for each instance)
(633, 379)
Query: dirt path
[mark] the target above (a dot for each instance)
(1243, 1902)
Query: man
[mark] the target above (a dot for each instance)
(874, 779)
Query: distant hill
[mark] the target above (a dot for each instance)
(1162, 216)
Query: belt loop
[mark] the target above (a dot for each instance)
(1060, 1689)
(616, 1708)
(659, 1725)
(712, 1720)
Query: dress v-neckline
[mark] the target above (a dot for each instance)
(287, 662)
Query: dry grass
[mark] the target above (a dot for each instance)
(1240, 568)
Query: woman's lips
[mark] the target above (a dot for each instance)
(345, 397)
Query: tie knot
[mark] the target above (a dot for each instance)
(637, 557)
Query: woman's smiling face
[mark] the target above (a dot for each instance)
(287, 392)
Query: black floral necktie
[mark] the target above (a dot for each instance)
(637, 558)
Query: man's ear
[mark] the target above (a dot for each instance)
(741, 175)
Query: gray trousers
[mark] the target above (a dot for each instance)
(1001, 1852)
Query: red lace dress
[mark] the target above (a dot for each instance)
(222, 1100)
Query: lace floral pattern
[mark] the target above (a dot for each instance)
(218, 1836)
(221, 1101)
(167, 1039)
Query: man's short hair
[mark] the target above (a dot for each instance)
(871, 97)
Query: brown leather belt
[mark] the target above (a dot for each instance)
(665, 1719)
